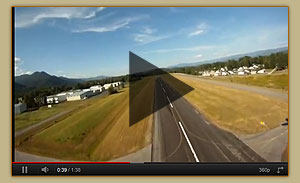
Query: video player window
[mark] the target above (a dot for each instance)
(150, 91)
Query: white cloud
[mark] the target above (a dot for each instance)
(168, 50)
(18, 69)
(17, 60)
(198, 32)
(27, 19)
(148, 35)
(202, 28)
(146, 38)
(149, 30)
(198, 56)
(118, 24)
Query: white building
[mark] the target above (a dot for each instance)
(20, 107)
(206, 73)
(58, 98)
(224, 74)
(97, 89)
(106, 86)
(217, 73)
(115, 84)
(255, 66)
(262, 71)
(231, 72)
(247, 71)
(241, 73)
(79, 95)
(253, 72)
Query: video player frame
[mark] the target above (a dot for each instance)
(151, 91)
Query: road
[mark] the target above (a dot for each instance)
(182, 134)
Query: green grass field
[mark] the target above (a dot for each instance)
(98, 132)
(276, 81)
(29, 118)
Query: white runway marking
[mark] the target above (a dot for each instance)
(188, 141)
(205, 120)
(170, 102)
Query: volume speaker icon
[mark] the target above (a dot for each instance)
(45, 169)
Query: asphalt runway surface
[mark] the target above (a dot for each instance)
(182, 134)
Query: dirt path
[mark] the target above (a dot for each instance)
(41, 124)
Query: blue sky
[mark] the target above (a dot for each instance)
(90, 41)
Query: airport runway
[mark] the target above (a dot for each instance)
(181, 134)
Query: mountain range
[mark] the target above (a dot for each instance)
(42, 79)
(233, 57)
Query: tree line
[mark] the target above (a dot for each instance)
(279, 59)
(36, 97)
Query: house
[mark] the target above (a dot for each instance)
(231, 72)
(211, 73)
(241, 73)
(20, 107)
(206, 73)
(79, 95)
(240, 69)
(115, 84)
(247, 71)
(217, 73)
(224, 74)
(255, 66)
(253, 72)
(106, 86)
(262, 71)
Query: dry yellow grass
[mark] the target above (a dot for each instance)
(122, 138)
(235, 110)
(99, 132)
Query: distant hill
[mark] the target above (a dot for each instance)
(223, 59)
(94, 78)
(40, 80)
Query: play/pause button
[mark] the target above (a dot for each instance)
(24, 169)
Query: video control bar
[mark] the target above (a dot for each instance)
(188, 169)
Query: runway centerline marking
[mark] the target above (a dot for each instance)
(170, 102)
(188, 141)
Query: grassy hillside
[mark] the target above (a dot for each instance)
(98, 132)
(236, 110)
